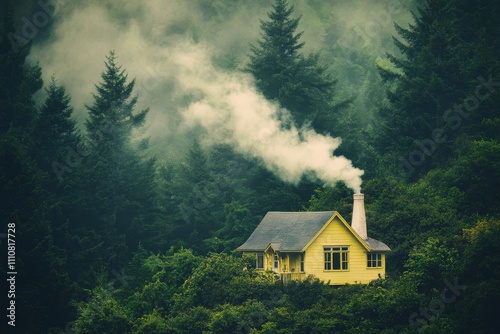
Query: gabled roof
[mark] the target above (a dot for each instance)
(294, 231)
(276, 246)
(288, 231)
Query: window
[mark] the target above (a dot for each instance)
(301, 262)
(374, 260)
(259, 261)
(336, 257)
(276, 263)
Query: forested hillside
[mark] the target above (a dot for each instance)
(127, 182)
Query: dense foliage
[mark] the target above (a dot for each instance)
(112, 240)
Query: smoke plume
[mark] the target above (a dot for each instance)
(164, 46)
(231, 111)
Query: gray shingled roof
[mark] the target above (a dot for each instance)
(376, 245)
(291, 231)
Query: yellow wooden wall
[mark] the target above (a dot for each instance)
(268, 259)
(336, 234)
(294, 260)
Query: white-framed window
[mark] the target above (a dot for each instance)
(374, 260)
(301, 262)
(276, 263)
(259, 261)
(336, 257)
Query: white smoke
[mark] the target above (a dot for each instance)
(167, 70)
(233, 112)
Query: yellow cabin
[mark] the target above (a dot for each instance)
(298, 244)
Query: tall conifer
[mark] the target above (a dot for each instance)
(282, 73)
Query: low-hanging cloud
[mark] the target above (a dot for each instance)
(231, 110)
(163, 44)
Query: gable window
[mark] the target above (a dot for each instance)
(301, 262)
(336, 257)
(374, 260)
(259, 261)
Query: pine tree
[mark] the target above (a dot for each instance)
(55, 131)
(432, 75)
(119, 204)
(195, 167)
(300, 84)
(18, 79)
(25, 199)
(111, 116)
(109, 130)
(199, 198)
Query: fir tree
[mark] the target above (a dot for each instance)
(119, 203)
(111, 116)
(437, 70)
(55, 132)
(25, 199)
(18, 79)
(300, 84)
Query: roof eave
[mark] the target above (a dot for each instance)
(263, 250)
(247, 250)
(380, 247)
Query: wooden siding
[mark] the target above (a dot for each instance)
(294, 261)
(336, 234)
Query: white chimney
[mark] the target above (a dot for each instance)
(358, 216)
